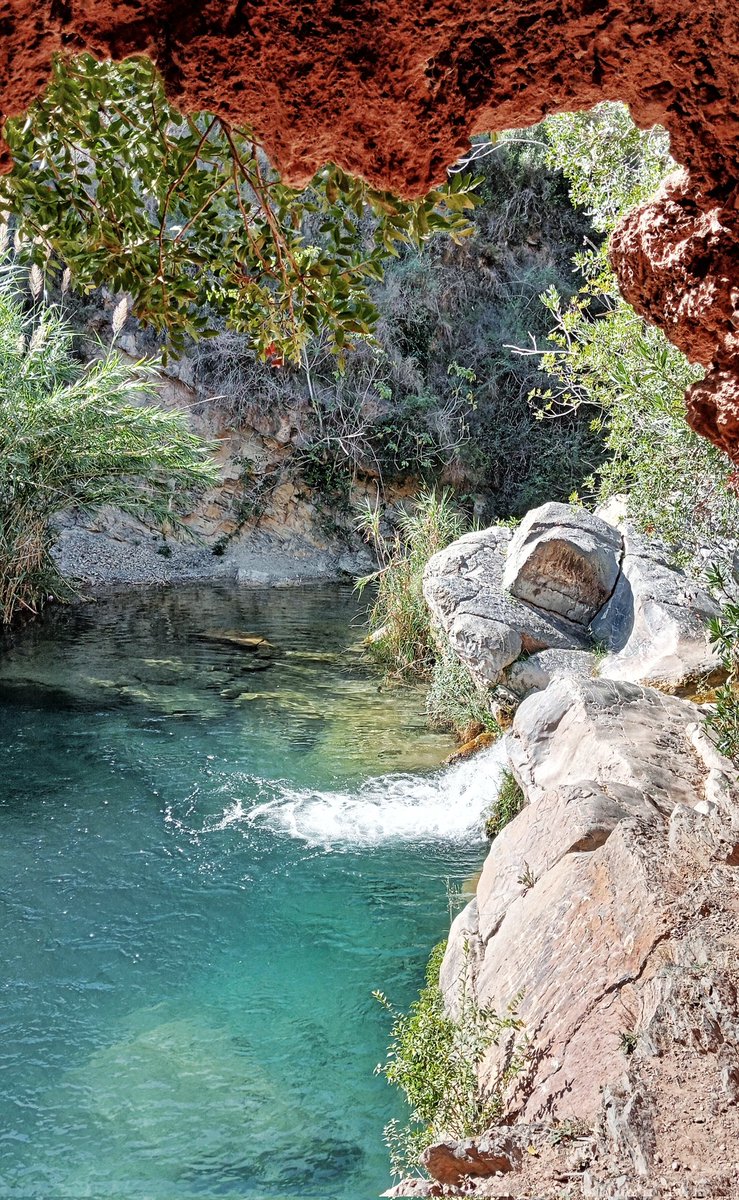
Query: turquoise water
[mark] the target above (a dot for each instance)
(211, 853)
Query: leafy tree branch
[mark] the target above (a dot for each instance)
(186, 215)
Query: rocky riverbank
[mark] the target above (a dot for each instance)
(111, 550)
(609, 906)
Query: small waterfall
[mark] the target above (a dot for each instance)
(447, 805)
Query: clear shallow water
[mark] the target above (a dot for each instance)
(209, 858)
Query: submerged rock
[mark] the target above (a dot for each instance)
(252, 643)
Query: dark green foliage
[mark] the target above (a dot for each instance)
(442, 396)
(471, 305)
(629, 1040)
(185, 214)
(434, 1059)
(606, 361)
(508, 804)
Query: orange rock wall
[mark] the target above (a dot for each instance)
(392, 89)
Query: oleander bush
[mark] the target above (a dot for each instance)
(75, 437)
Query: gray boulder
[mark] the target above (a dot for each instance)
(654, 625)
(564, 560)
(497, 596)
(487, 627)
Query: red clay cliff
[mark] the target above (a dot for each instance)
(392, 90)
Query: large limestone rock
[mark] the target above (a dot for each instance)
(524, 608)
(655, 623)
(487, 627)
(564, 560)
(610, 906)
(608, 734)
(569, 820)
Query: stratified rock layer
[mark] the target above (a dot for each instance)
(393, 91)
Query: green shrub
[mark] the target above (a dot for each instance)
(471, 304)
(454, 700)
(607, 362)
(434, 1060)
(185, 214)
(442, 397)
(76, 437)
(401, 636)
(507, 805)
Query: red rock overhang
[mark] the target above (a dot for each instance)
(393, 89)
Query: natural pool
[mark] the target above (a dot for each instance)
(210, 854)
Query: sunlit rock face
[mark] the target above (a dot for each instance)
(392, 90)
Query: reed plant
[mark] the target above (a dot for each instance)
(401, 636)
(75, 437)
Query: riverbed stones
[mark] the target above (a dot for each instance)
(563, 560)
(251, 643)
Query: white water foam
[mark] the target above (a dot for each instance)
(447, 804)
